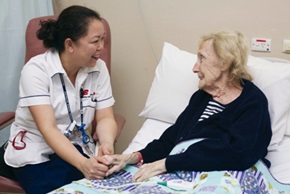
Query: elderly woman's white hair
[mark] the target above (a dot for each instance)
(231, 48)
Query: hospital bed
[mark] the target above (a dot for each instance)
(173, 85)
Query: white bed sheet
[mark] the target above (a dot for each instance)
(150, 130)
(280, 161)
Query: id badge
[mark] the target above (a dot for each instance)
(69, 130)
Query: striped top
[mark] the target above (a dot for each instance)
(213, 107)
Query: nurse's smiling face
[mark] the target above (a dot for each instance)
(88, 48)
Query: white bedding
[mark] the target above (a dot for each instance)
(280, 161)
(151, 129)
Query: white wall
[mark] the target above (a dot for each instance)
(139, 28)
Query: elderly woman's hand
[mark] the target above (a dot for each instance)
(149, 170)
(117, 162)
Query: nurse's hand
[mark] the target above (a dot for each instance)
(106, 149)
(94, 168)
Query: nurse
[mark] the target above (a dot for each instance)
(61, 92)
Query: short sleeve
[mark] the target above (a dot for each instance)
(34, 85)
(104, 90)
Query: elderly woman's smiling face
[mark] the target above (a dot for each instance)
(208, 66)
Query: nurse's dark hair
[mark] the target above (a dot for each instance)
(72, 23)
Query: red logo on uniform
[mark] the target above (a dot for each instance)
(85, 92)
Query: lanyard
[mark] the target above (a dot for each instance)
(66, 99)
(85, 137)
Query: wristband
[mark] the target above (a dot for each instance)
(140, 159)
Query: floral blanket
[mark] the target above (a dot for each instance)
(256, 179)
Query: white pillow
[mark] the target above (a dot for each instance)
(273, 78)
(174, 83)
(288, 124)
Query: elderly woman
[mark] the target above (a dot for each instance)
(227, 118)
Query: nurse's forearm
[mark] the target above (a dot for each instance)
(107, 130)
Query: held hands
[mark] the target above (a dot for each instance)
(94, 167)
(146, 171)
(99, 167)
(117, 162)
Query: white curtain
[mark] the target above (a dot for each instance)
(14, 16)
